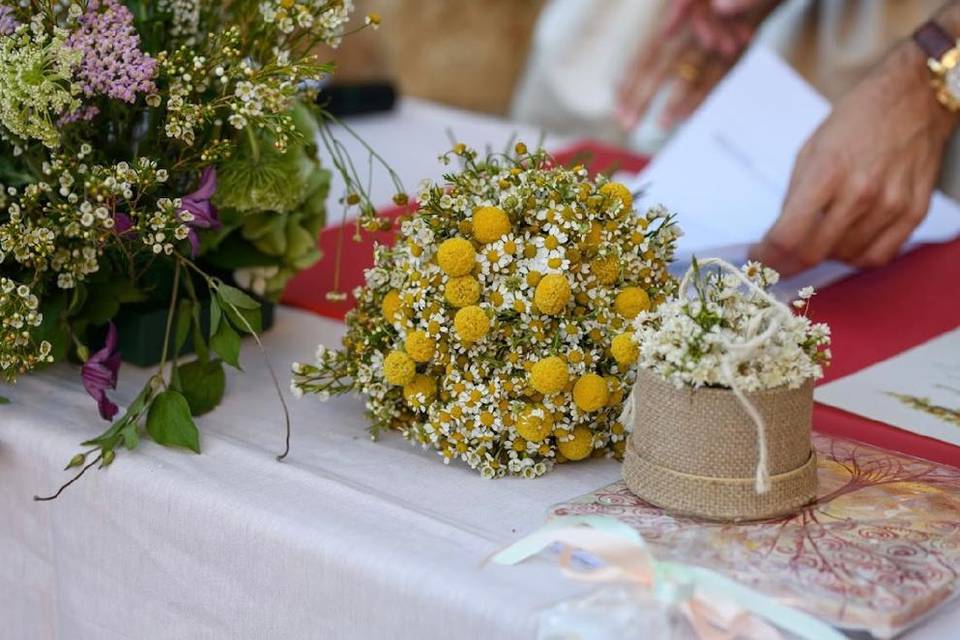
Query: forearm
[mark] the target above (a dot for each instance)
(948, 16)
(909, 75)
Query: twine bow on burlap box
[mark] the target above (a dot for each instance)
(719, 451)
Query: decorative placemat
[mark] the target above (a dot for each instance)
(878, 550)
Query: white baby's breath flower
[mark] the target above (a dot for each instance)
(684, 341)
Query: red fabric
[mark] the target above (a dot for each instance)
(877, 314)
(873, 315)
(309, 288)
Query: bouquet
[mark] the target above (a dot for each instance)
(157, 153)
(723, 403)
(493, 331)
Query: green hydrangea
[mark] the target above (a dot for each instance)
(259, 177)
(35, 83)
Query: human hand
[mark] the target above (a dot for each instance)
(863, 181)
(680, 64)
(697, 44)
(725, 27)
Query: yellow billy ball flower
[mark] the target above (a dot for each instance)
(534, 423)
(549, 375)
(471, 323)
(631, 301)
(606, 270)
(420, 391)
(390, 306)
(490, 224)
(620, 192)
(579, 446)
(552, 294)
(456, 256)
(462, 291)
(420, 346)
(624, 350)
(399, 368)
(590, 393)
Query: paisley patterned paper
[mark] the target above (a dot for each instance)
(879, 549)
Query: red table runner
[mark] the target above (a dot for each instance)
(873, 315)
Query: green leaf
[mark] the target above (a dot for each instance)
(199, 342)
(108, 438)
(183, 320)
(130, 436)
(236, 297)
(226, 343)
(77, 299)
(100, 309)
(4, 400)
(215, 315)
(169, 422)
(53, 328)
(245, 320)
(202, 384)
(243, 311)
(236, 252)
(104, 298)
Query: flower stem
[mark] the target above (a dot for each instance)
(254, 145)
(170, 312)
(69, 482)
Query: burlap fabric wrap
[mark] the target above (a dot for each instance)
(694, 451)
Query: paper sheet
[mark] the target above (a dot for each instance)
(918, 390)
(726, 172)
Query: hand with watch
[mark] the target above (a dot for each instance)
(863, 181)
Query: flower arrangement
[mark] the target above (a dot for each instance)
(686, 340)
(723, 402)
(157, 153)
(489, 332)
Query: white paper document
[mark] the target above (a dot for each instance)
(918, 390)
(726, 171)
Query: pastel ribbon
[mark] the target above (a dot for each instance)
(717, 607)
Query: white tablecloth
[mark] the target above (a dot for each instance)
(347, 539)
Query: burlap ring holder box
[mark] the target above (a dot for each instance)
(695, 451)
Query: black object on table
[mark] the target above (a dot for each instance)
(343, 100)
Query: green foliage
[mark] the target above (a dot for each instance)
(184, 321)
(103, 295)
(202, 383)
(54, 328)
(169, 422)
(226, 344)
(89, 187)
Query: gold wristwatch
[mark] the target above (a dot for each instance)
(943, 59)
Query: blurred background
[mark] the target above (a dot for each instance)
(562, 64)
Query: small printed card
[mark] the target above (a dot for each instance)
(918, 390)
(877, 551)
